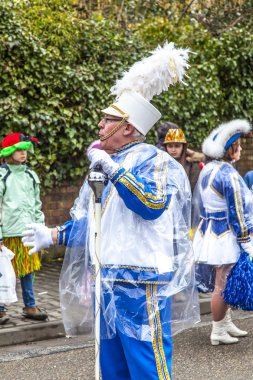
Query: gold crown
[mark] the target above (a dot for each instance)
(175, 135)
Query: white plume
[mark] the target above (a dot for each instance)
(214, 145)
(154, 74)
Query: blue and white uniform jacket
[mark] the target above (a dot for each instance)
(145, 213)
(224, 206)
(146, 255)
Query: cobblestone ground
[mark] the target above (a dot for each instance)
(46, 287)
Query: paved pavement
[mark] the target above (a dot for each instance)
(21, 330)
(73, 359)
(64, 359)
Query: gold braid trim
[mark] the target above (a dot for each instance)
(133, 267)
(124, 114)
(160, 339)
(216, 191)
(141, 197)
(117, 127)
(245, 229)
(119, 177)
(153, 331)
(135, 281)
(221, 235)
(126, 146)
(132, 177)
(213, 218)
(114, 130)
(238, 206)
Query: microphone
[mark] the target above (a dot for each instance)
(97, 180)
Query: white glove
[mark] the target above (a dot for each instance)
(248, 248)
(97, 156)
(37, 236)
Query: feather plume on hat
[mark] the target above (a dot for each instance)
(148, 77)
(154, 74)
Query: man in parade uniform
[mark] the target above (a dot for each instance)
(146, 255)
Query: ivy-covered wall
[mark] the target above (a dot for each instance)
(55, 74)
(56, 70)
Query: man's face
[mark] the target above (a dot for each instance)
(116, 140)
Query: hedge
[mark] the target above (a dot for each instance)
(56, 70)
(55, 75)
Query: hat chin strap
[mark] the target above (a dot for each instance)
(117, 127)
(113, 131)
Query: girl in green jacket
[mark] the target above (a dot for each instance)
(20, 205)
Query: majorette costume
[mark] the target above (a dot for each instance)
(20, 203)
(223, 201)
(224, 207)
(146, 254)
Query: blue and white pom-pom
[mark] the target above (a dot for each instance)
(239, 287)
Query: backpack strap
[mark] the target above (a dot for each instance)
(33, 176)
(5, 175)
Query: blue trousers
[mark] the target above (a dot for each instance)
(27, 291)
(127, 358)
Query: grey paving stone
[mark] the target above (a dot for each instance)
(46, 286)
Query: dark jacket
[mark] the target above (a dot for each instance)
(193, 164)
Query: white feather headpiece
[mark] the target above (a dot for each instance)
(152, 75)
(215, 145)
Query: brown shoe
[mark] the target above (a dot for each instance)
(3, 318)
(35, 313)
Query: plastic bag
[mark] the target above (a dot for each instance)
(7, 277)
(144, 262)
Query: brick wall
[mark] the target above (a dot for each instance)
(56, 203)
(246, 162)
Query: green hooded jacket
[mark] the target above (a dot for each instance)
(20, 202)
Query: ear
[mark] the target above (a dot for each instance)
(229, 153)
(128, 129)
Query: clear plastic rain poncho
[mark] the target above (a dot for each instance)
(222, 220)
(147, 262)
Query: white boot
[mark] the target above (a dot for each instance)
(220, 335)
(231, 327)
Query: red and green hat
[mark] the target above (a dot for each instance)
(16, 141)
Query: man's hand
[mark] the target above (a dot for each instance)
(248, 248)
(37, 236)
(97, 156)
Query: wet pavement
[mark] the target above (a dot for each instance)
(19, 329)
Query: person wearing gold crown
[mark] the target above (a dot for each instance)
(224, 208)
(176, 145)
(146, 255)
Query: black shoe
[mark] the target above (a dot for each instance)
(3, 318)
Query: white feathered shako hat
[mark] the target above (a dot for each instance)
(222, 137)
(151, 76)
